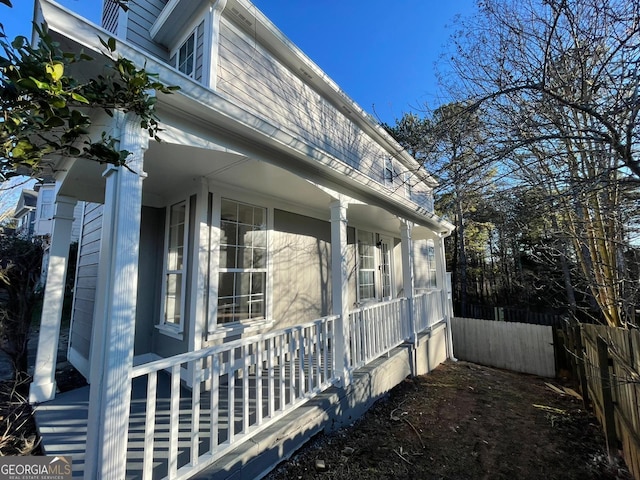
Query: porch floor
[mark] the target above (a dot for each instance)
(62, 424)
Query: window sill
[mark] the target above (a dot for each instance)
(232, 329)
(170, 332)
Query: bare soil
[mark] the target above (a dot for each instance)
(464, 421)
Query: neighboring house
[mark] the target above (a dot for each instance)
(25, 213)
(34, 218)
(276, 241)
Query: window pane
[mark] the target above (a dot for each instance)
(229, 210)
(244, 235)
(173, 298)
(228, 233)
(186, 55)
(228, 257)
(259, 237)
(245, 214)
(259, 258)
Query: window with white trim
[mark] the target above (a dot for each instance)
(408, 187)
(175, 265)
(388, 173)
(187, 55)
(46, 204)
(366, 266)
(243, 262)
(431, 260)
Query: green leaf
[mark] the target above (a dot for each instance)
(79, 98)
(38, 83)
(55, 70)
(111, 44)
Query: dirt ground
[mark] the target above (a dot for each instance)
(463, 421)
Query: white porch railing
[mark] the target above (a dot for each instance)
(190, 409)
(376, 329)
(428, 309)
(236, 390)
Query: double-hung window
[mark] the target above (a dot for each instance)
(187, 55)
(366, 266)
(408, 187)
(388, 173)
(46, 204)
(431, 259)
(175, 265)
(243, 262)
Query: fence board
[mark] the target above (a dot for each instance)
(622, 368)
(514, 346)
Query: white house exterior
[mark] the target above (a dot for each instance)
(25, 213)
(275, 241)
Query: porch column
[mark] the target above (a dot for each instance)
(115, 311)
(447, 308)
(43, 386)
(340, 289)
(408, 284)
(200, 268)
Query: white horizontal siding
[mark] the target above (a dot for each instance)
(254, 77)
(85, 287)
(141, 15)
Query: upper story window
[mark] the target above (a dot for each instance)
(408, 187)
(46, 204)
(243, 262)
(187, 55)
(388, 173)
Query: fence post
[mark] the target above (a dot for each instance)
(607, 398)
(580, 368)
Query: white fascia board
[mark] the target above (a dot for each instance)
(173, 17)
(213, 108)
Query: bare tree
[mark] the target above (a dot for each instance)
(557, 82)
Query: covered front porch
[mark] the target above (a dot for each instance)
(206, 385)
(283, 388)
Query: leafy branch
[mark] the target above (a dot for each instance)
(45, 108)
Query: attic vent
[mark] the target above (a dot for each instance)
(305, 73)
(241, 17)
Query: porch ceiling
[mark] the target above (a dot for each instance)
(173, 168)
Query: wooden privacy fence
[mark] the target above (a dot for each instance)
(514, 346)
(607, 363)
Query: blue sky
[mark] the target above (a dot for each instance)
(380, 52)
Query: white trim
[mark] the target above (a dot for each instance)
(389, 242)
(212, 43)
(172, 329)
(145, 358)
(169, 331)
(360, 301)
(75, 290)
(78, 361)
(201, 247)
